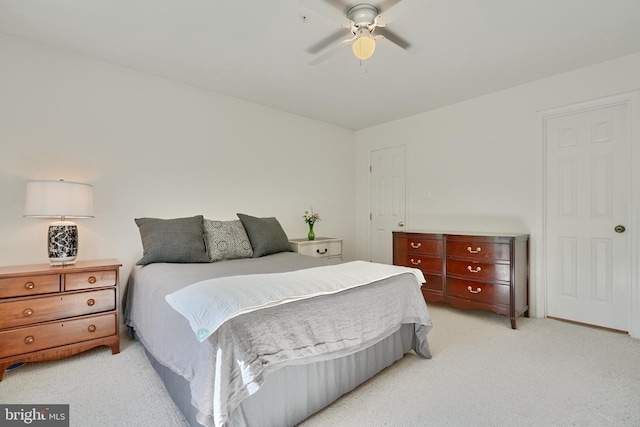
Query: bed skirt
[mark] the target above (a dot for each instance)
(293, 393)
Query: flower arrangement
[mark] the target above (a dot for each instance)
(310, 217)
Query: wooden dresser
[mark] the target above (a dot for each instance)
(470, 271)
(51, 312)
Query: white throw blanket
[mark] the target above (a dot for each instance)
(208, 304)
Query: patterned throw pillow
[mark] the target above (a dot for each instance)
(226, 240)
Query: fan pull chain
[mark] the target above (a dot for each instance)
(366, 69)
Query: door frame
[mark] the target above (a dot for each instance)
(632, 100)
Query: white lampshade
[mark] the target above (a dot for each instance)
(60, 199)
(364, 46)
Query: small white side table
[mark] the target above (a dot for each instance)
(321, 247)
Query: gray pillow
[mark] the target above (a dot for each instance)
(179, 240)
(266, 235)
(226, 240)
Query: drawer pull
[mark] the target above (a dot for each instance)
(91, 302)
(478, 249)
(29, 340)
(414, 262)
(29, 285)
(477, 291)
(323, 252)
(92, 279)
(27, 312)
(91, 328)
(472, 270)
(416, 245)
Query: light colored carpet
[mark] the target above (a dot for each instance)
(545, 373)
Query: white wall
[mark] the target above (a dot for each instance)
(153, 147)
(479, 159)
(157, 148)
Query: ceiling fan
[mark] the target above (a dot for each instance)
(361, 20)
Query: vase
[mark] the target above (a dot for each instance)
(311, 235)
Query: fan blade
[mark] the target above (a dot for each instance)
(386, 5)
(394, 11)
(330, 52)
(393, 37)
(329, 12)
(330, 40)
(341, 5)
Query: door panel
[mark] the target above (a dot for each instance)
(588, 181)
(388, 199)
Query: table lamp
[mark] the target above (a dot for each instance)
(60, 199)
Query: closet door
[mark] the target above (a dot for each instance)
(388, 200)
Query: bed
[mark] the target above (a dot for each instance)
(275, 364)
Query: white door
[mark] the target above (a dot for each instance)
(388, 198)
(587, 182)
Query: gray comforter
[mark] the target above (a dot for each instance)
(258, 343)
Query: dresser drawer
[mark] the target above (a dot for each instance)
(424, 263)
(322, 249)
(479, 250)
(25, 311)
(433, 282)
(54, 334)
(483, 271)
(88, 280)
(29, 285)
(488, 293)
(418, 245)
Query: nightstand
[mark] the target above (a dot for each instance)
(51, 312)
(321, 247)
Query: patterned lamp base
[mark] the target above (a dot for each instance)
(63, 243)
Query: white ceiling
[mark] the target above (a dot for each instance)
(256, 50)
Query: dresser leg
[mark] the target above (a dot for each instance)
(513, 323)
(115, 348)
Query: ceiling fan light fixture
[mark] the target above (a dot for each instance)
(364, 46)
